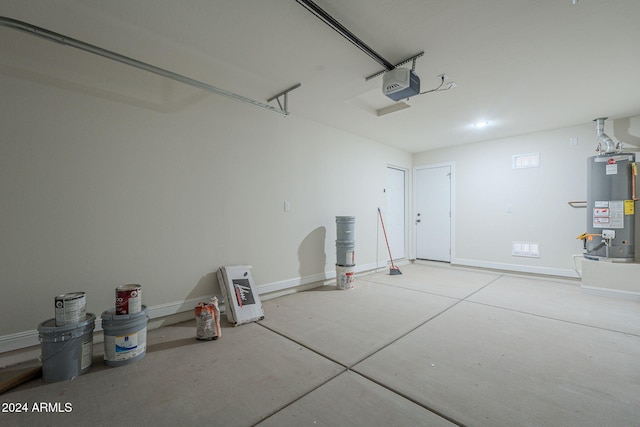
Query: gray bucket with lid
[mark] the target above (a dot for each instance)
(345, 228)
(66, 351)
(125, 336)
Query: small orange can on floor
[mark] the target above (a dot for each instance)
(207, 320)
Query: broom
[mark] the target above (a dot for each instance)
(393, 270)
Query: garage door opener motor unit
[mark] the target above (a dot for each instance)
(400, 83)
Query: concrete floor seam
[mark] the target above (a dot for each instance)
(554, 318)
(466, 298)
(303, 395)
(408, 359)
(418, 326)
(434, 293)
(303, 345)
(483, 287)
(410, 399)
(405, 334)
(457, 301)
(368, 355)
(409, 289)
(350, 369)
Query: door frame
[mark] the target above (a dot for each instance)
(407, 211)
(414, 230)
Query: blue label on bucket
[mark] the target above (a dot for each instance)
(125, 347)
(125, 344)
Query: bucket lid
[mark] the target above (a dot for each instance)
(129, 287)
(70, 296)
(48, 327)
(109, 316)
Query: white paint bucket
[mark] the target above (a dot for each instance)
(128, 299)
(345, 277)
(71, 308)
(345, 253)
(66, 351)
(125, 337)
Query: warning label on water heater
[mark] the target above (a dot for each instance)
(629, 207)
(609, 214)
(611, 169)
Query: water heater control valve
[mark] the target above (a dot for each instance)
(609, 234)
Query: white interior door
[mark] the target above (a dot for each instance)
(433, 213)
(394, 215)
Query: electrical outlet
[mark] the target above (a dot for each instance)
(521, 161)
(526, 249)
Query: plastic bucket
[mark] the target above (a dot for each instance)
(125, 336)
(345, 227)
(345, 253)
(345, 277)
(66, 351)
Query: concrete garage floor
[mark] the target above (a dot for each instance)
(435, 346)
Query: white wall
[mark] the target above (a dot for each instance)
(98, 192)
(486, 184)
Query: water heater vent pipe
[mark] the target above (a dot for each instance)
(608, 142)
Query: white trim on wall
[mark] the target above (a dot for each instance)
(406, 208)
(26, 339)
(611, 293)
(30, 338)
(561, 272)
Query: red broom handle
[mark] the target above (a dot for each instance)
(385, 239)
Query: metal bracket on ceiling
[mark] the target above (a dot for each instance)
(285, 95)
(96, 50)
(405, 61)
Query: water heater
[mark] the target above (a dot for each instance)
(611, 207)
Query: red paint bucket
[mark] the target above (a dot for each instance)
(128, 299)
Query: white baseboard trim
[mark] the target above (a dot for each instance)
(18, 341)
(168, 309)
(561, 272)
(30, 338)
(26, 339)
(302, 283)
(268, 288)
(611, 293)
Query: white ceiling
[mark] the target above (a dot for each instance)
(523, 65)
